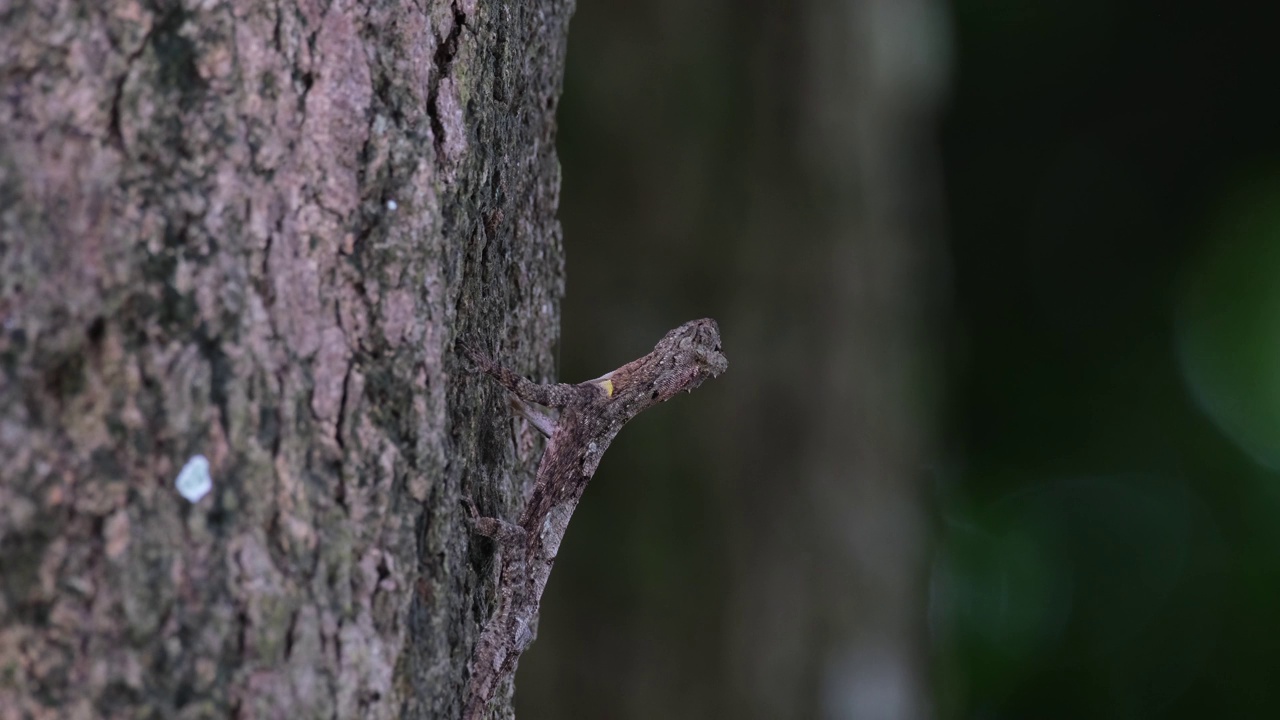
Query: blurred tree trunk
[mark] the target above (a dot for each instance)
(253, 233)
(830, 565)
(762, 554)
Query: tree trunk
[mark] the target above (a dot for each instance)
(252, 233)
(831, 563)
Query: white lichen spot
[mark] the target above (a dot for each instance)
(391, 205)
(193, 481)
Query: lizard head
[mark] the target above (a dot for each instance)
(694, 347)
(680, 362)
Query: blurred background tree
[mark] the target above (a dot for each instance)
(1017, 463)
(761, 551)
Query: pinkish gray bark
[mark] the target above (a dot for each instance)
(252, 232)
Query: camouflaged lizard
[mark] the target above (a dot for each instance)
(590, 416)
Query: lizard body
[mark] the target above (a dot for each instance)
(591, 415)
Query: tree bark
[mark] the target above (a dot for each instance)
(252, 233)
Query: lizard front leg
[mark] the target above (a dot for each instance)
(553, 396)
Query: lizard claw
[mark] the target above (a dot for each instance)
(473, 514)
(479, 361)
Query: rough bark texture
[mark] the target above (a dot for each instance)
(253, 232)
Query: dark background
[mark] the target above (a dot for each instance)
(1098, 341)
